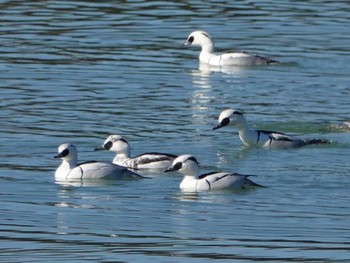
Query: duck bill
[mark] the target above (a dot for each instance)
(101, 148)
(170, 169)
(218, 127)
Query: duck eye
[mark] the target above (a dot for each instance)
(178, 166)
(108, 145)
(64, 153)
(225, 122)
(190, 39)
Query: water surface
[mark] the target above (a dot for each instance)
(78, 71)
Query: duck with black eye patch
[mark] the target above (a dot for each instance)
(194, 181)
(208, 56)
(70, 170)
(261, 138)
(147, 161)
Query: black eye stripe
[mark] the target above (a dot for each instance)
(225, 122)
(178, 166)
(64, 153)
(190, 39)
(108, 145)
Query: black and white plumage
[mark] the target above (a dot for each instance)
(151, 160)
(70, 170)
(261, 138)
(207, 55)
(193, 181)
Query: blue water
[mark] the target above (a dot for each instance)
(78, 71)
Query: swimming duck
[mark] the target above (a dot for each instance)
(207, 55)
(193, 181)
(150, 160)
(70, 170)
(261, 138)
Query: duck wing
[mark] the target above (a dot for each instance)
(244, 58)
(153, 157)
(278, 136)
(101, 170)
(222, 180)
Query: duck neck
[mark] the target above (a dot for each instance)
(246, 134)
(208, 48)
(121, 157)
(207, 52)
(64, 168)
(193, 172)
(71, 163)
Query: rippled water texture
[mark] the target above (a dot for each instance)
(80, 70)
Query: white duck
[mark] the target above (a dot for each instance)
(70, 170)
(193, 181)
(261, 138)
(150, 160)
(207, 55)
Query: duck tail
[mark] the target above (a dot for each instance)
(317, 141)
(272, 62)
(251, 183)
